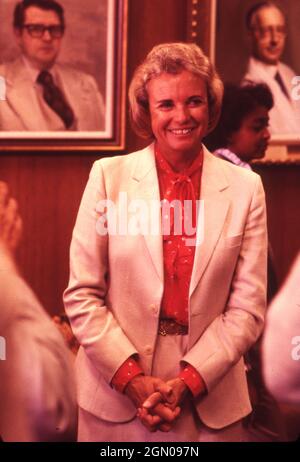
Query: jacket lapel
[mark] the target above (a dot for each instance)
(147, 190)
(213, 210)
(22, 98)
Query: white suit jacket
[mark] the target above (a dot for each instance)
(116, 286)
(281, 341)
(23, 109)
(285, 114)
(37, 380)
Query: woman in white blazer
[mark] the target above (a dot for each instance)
(168, 269)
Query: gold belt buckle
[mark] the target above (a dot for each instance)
(162, 330)
(168, 327)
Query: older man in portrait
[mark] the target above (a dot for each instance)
(267, 27)
(42, 95)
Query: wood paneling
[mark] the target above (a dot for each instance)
(48, 189)
(282, 187)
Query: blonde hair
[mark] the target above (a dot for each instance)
(172, 58)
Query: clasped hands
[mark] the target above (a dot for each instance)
(158, 402)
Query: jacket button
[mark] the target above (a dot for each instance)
(154, 308)
(148, 350)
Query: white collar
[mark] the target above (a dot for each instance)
(225, 153)
(270, 69)
(33, 71)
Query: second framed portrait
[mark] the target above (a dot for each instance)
(257, 41)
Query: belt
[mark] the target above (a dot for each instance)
(171, 327)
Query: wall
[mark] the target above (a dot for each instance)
(282, 186)
(49, 186)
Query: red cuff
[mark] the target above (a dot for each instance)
(193, 380)
(129, 369)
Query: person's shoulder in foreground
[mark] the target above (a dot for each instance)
(281, 342)
(37, 385)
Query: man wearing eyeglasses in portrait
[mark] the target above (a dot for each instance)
(41, 94)
(267, 28)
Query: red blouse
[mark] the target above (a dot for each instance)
(178, 228)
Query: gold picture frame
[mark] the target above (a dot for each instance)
(99, 31)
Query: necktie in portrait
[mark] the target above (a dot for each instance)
(279, 80)
(55, 98)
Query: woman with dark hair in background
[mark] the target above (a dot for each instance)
(243, 127)
(242, 134)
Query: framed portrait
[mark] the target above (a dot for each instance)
(89, 70)
(219, 26)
